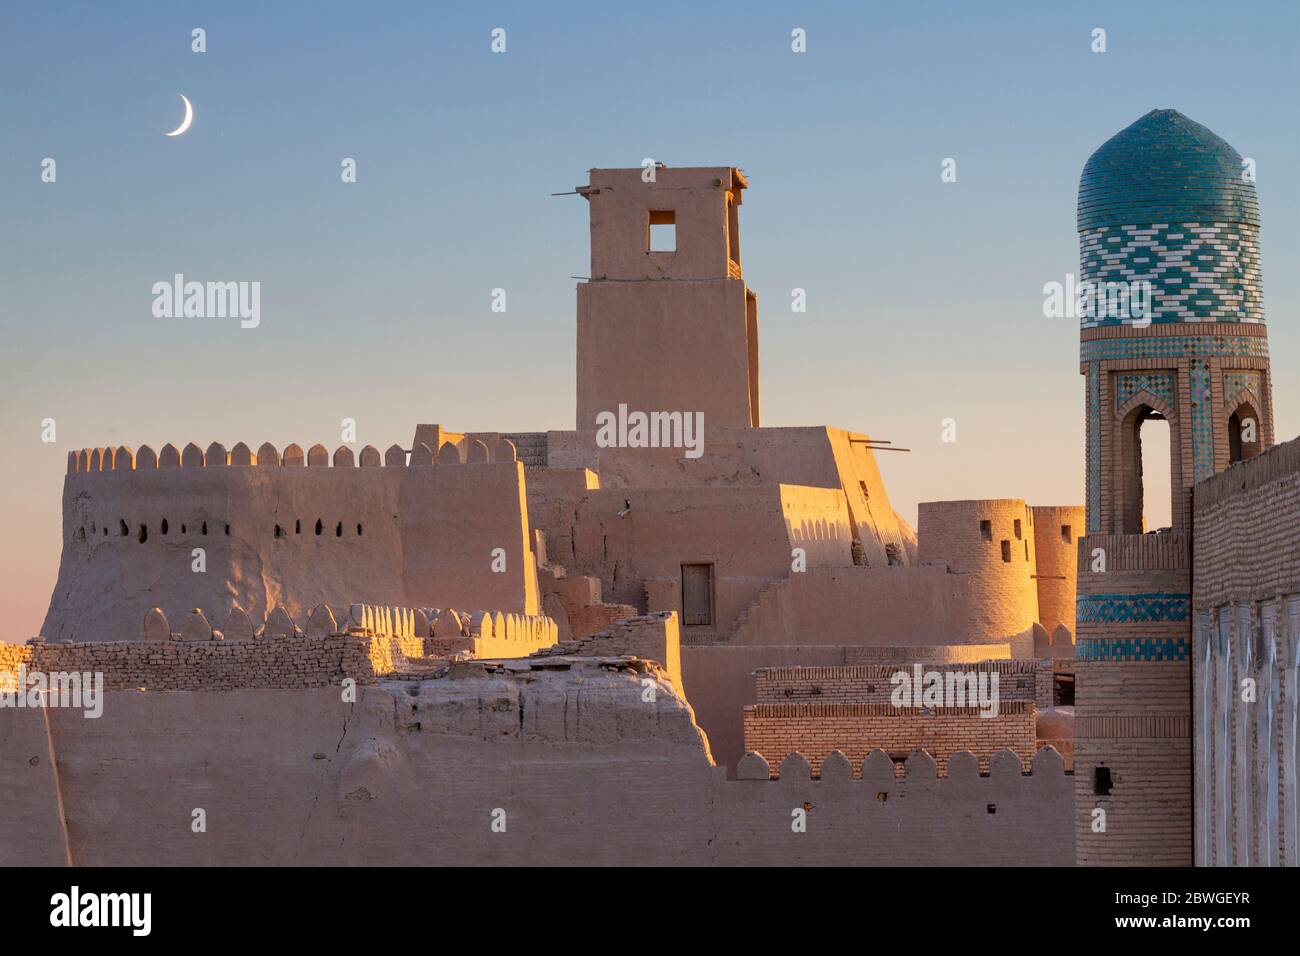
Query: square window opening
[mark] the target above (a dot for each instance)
(661, 234)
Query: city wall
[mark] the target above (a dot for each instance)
(295, 529)
(1246, 607)
(546, 762)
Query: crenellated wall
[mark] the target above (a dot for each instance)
(417, 771)
(852, 709)
(295, 529)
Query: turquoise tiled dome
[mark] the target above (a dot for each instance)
(1165, 168)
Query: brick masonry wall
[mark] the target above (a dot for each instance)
(277, 662)
(814, 730)
(1044, 684)
(1133, 701)
(814, 710)
(1246, 521)
(872, 683)
(1246, 599)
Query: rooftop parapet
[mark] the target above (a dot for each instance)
(124, 458)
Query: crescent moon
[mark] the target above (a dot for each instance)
(185, 123)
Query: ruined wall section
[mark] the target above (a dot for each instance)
(652, 637)
(293, 530)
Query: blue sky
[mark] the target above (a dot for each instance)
(924, 298)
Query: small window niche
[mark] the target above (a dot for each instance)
(986, 530)
(1016, 524)
(1006, 550)
(1065, 533)
(661, 234)
(1101, 782)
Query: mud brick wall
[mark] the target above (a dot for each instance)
(277, 662)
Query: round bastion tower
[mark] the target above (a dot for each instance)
(1167, 216)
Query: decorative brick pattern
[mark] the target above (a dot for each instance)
(1198, 272)
(1159, 384)
(1173, 347)
(1093, 452)
(1235, 382)
(1132, 649)
(1132, 608)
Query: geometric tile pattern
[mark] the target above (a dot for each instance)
(1174, 347)
(1092, 509)
(1159, 384)
(1133, 649)
(1234, 382)
(1202, 422)
(1148, 608)
(1198, 272)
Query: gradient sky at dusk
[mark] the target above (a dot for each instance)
(924, 298)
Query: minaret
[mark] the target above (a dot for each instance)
(1167, 205)
(1168, 219)
(666, 323)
